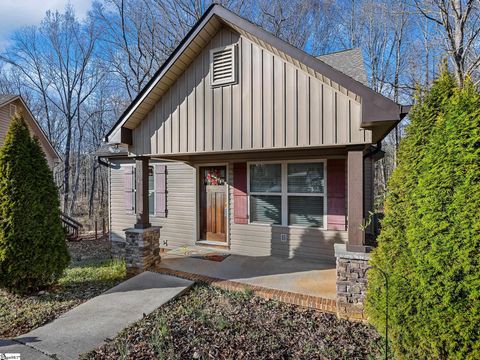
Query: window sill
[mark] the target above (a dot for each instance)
(287, 226)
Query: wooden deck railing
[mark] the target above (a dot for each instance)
(71, 225)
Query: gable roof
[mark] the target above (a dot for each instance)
(350, 62)
(379, 110)
(6, 99)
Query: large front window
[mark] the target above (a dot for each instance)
(287, 193)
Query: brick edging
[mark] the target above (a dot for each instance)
(308, 301)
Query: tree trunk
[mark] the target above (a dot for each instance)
(92, 189)
(66, 165)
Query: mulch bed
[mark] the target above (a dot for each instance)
(209, 323)
(87, 248)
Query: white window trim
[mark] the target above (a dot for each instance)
(285, 194)
(233, 79)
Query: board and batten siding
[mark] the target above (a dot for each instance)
(178, 228)
(265, 240)
(273, 105)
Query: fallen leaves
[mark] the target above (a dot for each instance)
(208, 323)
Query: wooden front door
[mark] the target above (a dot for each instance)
(213, 203)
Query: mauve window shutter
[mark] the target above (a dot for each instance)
(160, 191)
(240, 199)
(128, 179)
(336, 183)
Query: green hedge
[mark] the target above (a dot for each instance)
(33, 252)
(430, 239)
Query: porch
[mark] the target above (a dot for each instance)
(278, 247)
(301, 282)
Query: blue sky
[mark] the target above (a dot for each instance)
(18, 13)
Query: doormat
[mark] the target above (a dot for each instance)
(218, 257)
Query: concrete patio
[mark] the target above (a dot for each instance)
(311, 278)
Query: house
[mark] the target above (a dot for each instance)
(9, 104)
(244, 142)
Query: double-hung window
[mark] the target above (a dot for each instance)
(287, 193)
(266, 193)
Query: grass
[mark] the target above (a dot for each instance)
(209, 323)
(81, 281)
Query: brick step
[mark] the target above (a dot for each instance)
(308, 301)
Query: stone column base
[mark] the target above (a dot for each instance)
(142, 249)
(351, 283)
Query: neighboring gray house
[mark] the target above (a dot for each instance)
(245, 142)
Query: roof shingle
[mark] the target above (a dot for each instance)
(350, 62)
(6, 98)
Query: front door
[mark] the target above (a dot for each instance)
(213, 203)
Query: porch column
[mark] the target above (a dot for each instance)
(142, 249)
(356, 236)
(141, 200)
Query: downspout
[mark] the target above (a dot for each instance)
(373, 150)
(102, 162)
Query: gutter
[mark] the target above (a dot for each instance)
(103, 162)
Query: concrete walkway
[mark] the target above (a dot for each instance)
(89, 324)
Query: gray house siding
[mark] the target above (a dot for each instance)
(273, 105)
(178, 228)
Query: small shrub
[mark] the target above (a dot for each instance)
(33, 252)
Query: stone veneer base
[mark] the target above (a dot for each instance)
(351, 283)
(142, 249)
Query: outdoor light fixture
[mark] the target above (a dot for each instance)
(115, 149)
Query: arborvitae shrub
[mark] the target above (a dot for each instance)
(33, 251)
(430, 239)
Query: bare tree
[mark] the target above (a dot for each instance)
(308, 25)
(140, 34)
(460, 22)
(56, 62)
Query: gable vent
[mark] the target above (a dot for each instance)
(223, 69)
